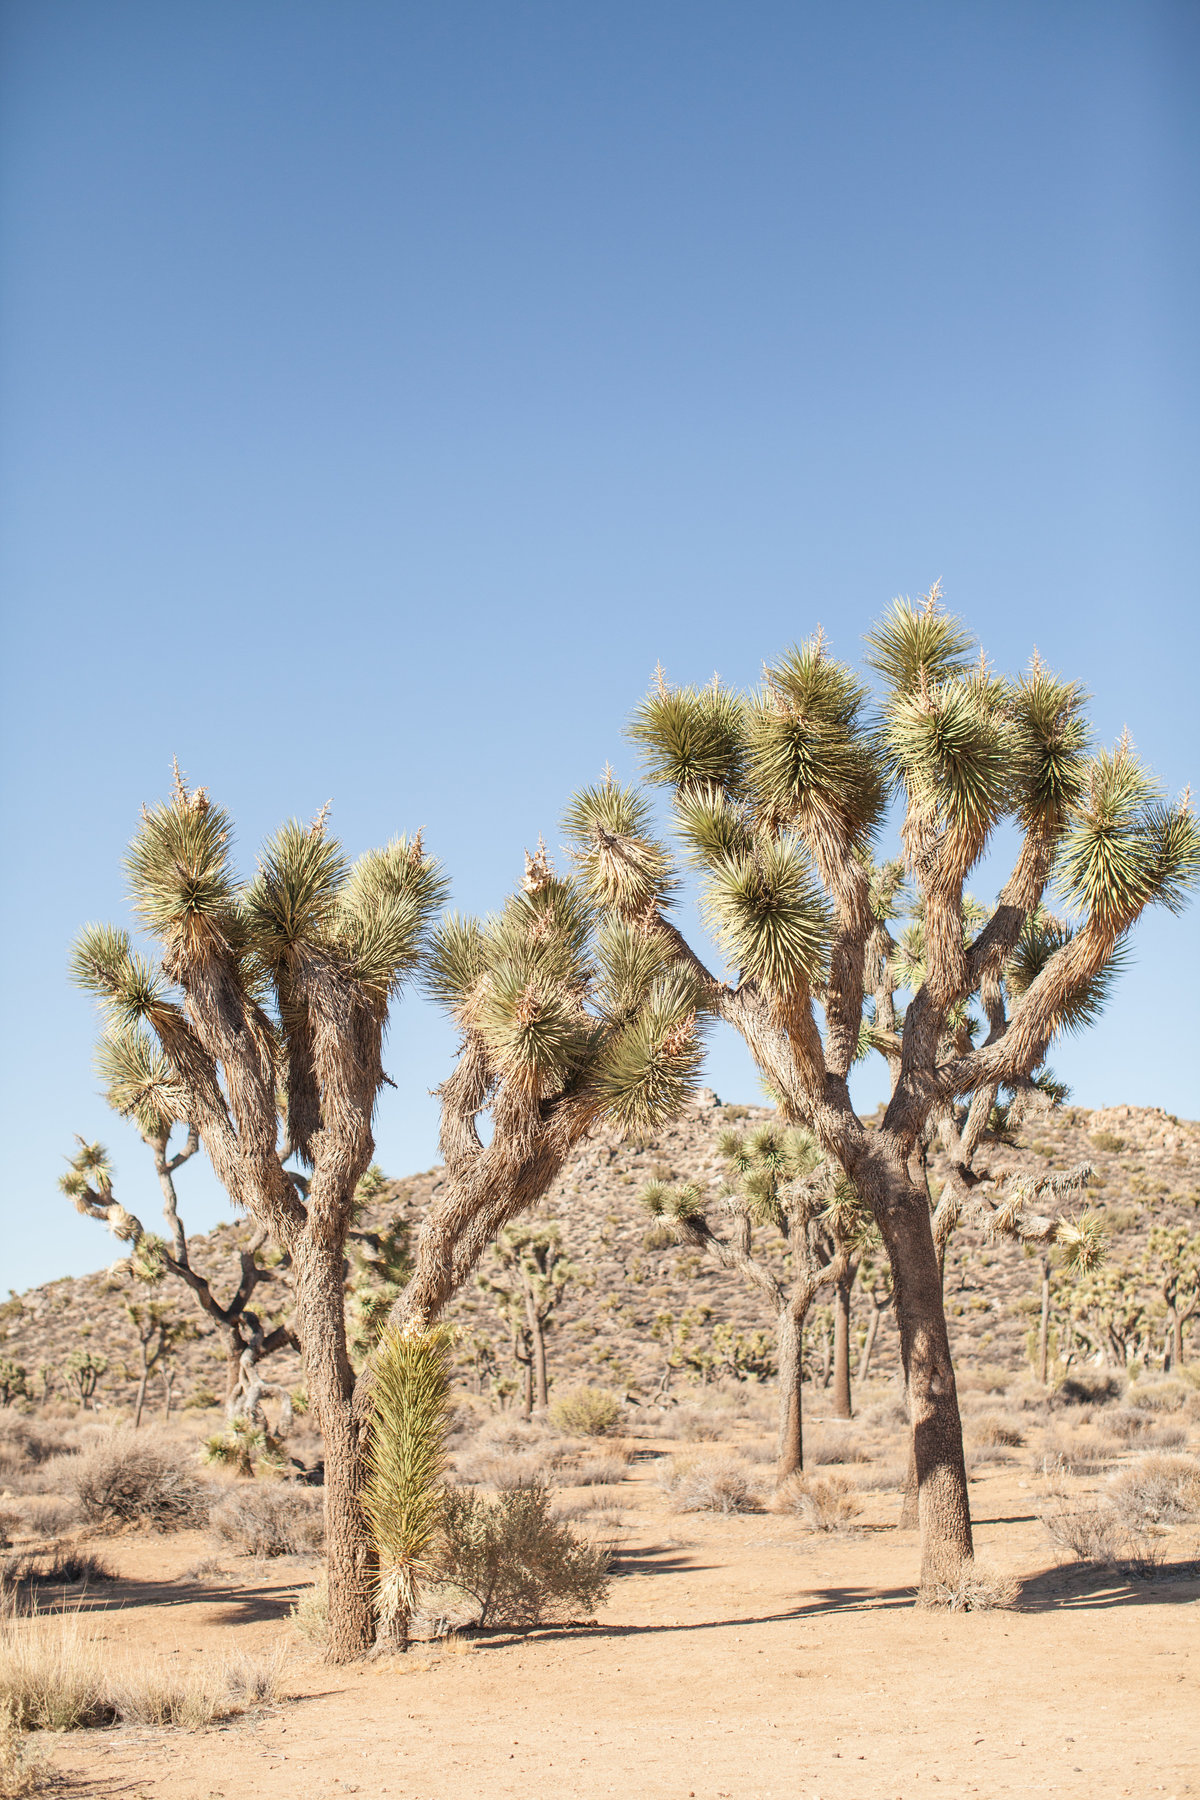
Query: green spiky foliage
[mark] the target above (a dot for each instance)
(406, 1462)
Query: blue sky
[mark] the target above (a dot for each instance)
(386, 388)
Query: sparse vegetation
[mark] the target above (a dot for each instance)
(517, 1563)
(588, 1411)
(131, 1478)
(269, 1519)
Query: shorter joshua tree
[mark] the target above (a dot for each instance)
(781, 1187)
(1173, 1264)
(158, 1332)
(404, 1496)
(534, 1276)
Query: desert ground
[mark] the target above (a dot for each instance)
(739, 1654)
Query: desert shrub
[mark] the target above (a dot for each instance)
(589, 1411)
(889, 1479)
(1157, 1490)
(1160, 1396)
(488, 1469)
(977, 1589)
(986, 1378)
(1090, 1533)
(695, 1485)
(48, 1516)
(599, 1471)
(1107, 1140)
(844, 1447)
(1089, 1387)
(1127, 1423)
(1164, 1437)
(27, 1445)
(24, 1766)
(694, 1426)
(130, 1477)
(515, 1561)
(1073, 1456)
(996, 1431)
(268, 1519)
(826, 1502)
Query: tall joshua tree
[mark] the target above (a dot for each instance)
(575, 1009)
(268, 1005)
(533, 1275)
(780, 796)
(1173, 1265)
(779, 1185)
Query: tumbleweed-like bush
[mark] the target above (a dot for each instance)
(707, 1485)
(270, 1520)
(588, 1411)
(130, 1477)
(826, 1502)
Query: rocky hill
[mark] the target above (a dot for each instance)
(1147, 1170)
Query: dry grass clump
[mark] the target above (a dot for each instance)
(310, 1615)
(24, 1766)
(843, 1447)
(707, 1485)
(996, 1430)
(34, 1455)
(976, 1589)
(265, 1519)
(985, 1378)
(598, 1471)
(888, 1478)
(586, 1411)
(1127, 1423)
(826, 1502)
(60, 1565)
(1167, 1395)
(1089, 1533)
(54, 1676)
(131, 1477)
(1157, 1490)
(44, 1515)
(517, 1563)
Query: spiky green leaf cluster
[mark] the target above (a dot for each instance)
(913, 645)
(648, 1068)
(770, 917)
(692, 737)
(1125, 848)
(811, 763)
(621, 864)
(1082, 1242)
(180, 870)
(675, 1204)
(1042, 938)
(138, 1082)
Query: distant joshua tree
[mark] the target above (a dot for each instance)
(781, 1186)
(1173, 1264)
(780, 797)
(534, 1274)
(274, 994)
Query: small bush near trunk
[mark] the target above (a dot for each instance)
(708, 1486)
(1088, 1532)
(129, 1477)
(269, 1520)
(826, 1502)
(977, 1589)
(588, 1411)
(519, 1565)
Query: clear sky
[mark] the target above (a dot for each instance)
(387, 387)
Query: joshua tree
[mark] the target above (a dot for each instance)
(538, 1272)
(574, 1010)
(82, 1371)
(406, 1460)
(780, 797)
(275, 994)
(780, 1185)
(1173, 1262)
(133, 1069)
(13, 1381)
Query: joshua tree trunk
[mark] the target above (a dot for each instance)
(789, 1344)
(1044, 1325)
(943, 1505)
(868, 1349)
(350, 1556)
(841, 1348)
(537, 1347)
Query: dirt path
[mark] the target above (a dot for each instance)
(737, 1659)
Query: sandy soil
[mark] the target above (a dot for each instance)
(737, 1658)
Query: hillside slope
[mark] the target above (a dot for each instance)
(1147, 1171)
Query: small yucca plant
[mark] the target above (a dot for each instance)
(406, 1460)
